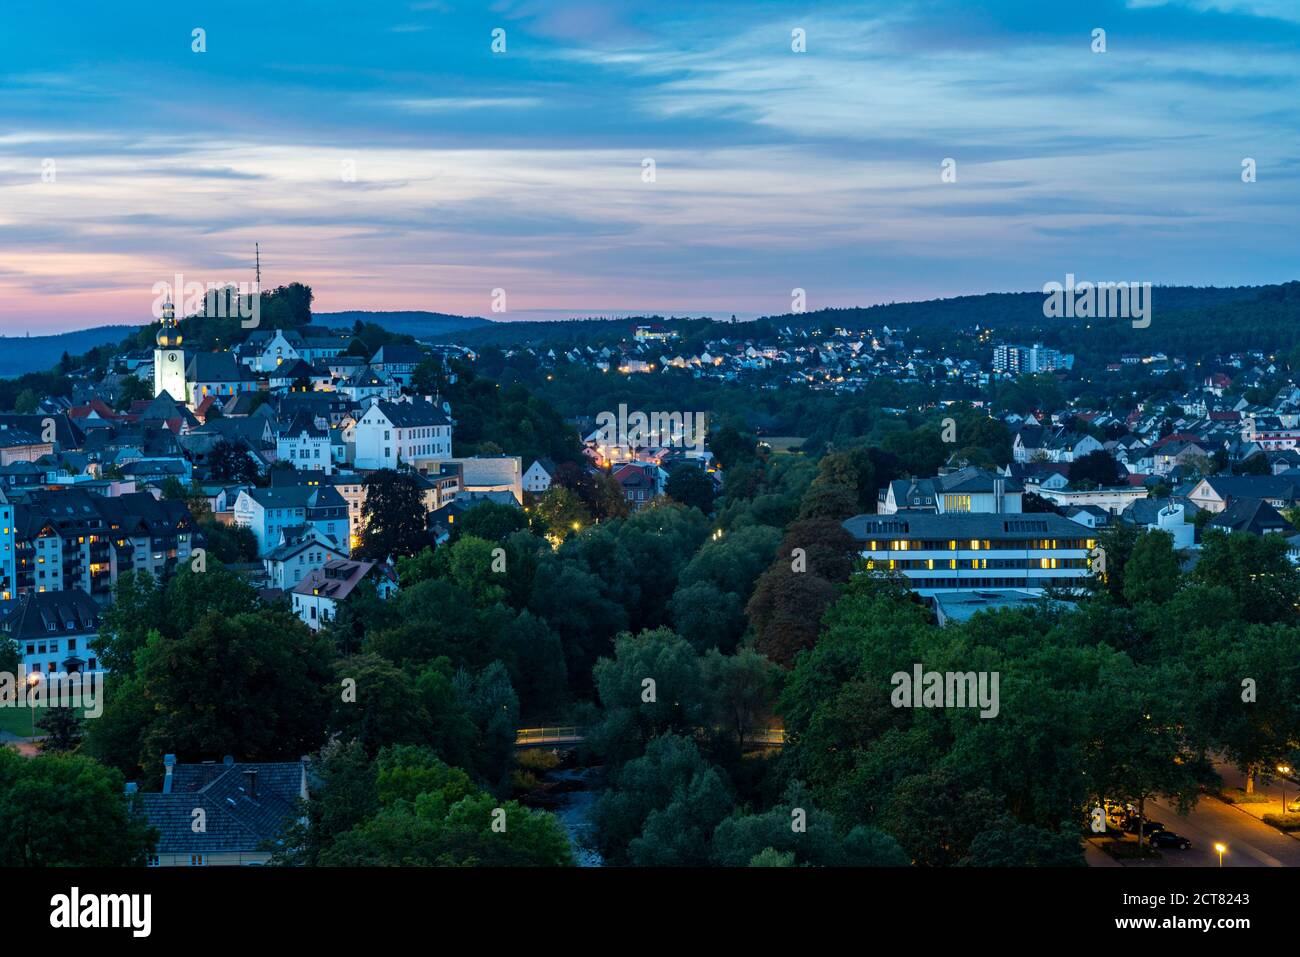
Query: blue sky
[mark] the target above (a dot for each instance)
(522, 170)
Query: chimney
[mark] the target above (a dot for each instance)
(169, 762)
(250, 784)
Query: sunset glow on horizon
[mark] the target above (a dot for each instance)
(523, 170)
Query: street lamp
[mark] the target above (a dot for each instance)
(32, 681)
(1220, 848)
(1284, 770)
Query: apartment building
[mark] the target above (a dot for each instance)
(955, 552)
(416, 434)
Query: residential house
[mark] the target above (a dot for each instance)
(316, 599)
(54, 631)
(415, 433)
(300, 552)
(268, 512)
(969, 489)
(246, 808)
(1214, 493)
(398, 362)
(305, 445)
(539, 476)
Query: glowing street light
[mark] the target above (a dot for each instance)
(1284, 770)
(32, 681)
(1221, 848)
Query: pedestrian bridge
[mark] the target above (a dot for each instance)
(564, 736)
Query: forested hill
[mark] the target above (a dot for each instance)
(1190, 321)
(998, 309)
(416, 323)
(20, 354)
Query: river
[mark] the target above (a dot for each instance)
(569, 792)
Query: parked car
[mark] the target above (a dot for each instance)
(1149, 827)
(1168, 839)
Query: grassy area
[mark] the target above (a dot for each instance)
(19, 720)
(1283, 822)
(783, 443)
(1238, 796)
(1127, 850)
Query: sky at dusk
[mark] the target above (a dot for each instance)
(523, 170)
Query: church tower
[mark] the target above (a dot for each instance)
(169, 359)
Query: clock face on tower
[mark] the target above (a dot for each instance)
(171, 357)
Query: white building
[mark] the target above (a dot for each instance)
(539, 476)
(270, 513)
(264, 351)
(169, 359)
(415, 433)
(316, 599)
(966, 490)
(305, 445)
(293, 559)
(490, 476)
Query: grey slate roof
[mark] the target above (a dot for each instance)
(413, 415)
(237, 821)
(1252, 515)
(52, 614)
(1255, 486)
(217, 367)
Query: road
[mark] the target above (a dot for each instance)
(1251, 843)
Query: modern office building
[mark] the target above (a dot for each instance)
(956, 552)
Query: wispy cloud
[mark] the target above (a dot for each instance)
(392, 160)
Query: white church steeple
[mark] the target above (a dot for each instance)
(169, 358)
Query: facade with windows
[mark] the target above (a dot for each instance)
(959, 552)
(54, 632)
(305, 445)
(416, 434)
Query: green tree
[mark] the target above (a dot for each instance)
(667, 778)
(742, 688)
(691, 487)
(255, 684)
(431, 815)
(9, 655)
(1152, 573)
(491, 521)
(651, 687)
(67, 811)
(707, 617)
(479, 567)
(125, 625)
(231, 462)
(378, 704)
(27, 402)
(1256, 570)
(1008, 844)
(392, 516)
(808, 834)
(343, 794)
(63, 729)
(561, 510)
